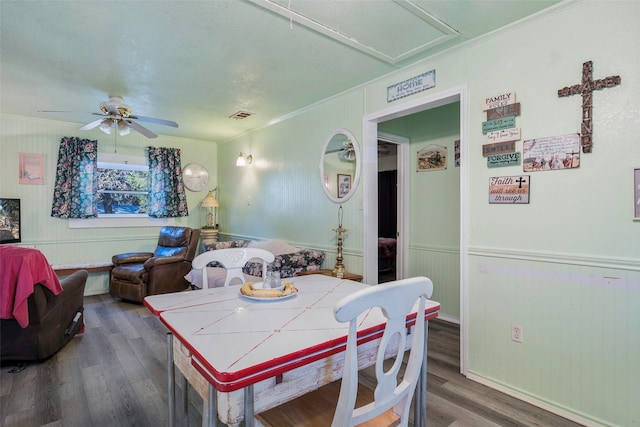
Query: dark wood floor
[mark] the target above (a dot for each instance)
(115, 375)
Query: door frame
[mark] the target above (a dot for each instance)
(370, 190)
(402, 217)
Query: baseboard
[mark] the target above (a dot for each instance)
(448, 318)
(536, 402)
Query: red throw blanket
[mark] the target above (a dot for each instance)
(20, 270)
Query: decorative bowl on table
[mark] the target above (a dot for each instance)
(255, 290)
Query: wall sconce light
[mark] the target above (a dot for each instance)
(244, 160)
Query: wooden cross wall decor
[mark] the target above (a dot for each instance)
(586, 89)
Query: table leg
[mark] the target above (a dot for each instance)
(249, 416)
(185, 396)
(171, 389)
(212, 407)
(420, 403)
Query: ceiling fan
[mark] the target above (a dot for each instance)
(116, 114)
(346, 153)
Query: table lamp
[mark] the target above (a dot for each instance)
(211, 203)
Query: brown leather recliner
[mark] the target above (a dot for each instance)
(51, 321)
(136, 275)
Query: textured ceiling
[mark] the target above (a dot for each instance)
(199, 62)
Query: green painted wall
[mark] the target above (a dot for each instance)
(280, 195)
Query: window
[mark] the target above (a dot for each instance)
(122, 189)
(123, 183)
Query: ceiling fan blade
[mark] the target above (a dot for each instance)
(156, 121)
(143, 130)
(91, 125)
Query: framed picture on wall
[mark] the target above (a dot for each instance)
(636, 194)
(10, 230)
(344, 185)
(31, 168)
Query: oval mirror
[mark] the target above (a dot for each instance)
(339, 166)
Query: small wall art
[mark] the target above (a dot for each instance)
(509, 189)
(31, 168)
(344, 185)
(456, 152)
(432, 158)
(551, 153)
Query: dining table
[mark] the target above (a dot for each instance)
(245, 355)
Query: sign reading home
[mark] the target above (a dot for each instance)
(500, 160)
(498, 100)
(509, 189)
(411, 86)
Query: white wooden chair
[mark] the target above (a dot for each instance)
(396, 299)
(233, 260)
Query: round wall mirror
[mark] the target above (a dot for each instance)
(340, 166)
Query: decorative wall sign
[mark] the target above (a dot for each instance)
(509, 189)
(31, 168)
(498, 148)
(551, 153)
(636, 199)
(411, 86)
(432, 158)
(506, 111)
(500, 160)
(586, 89)
(505, 135)
(498, 100)
(498, 124)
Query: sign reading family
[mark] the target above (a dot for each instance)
(498, 100)
(411, 86)
(509, 189)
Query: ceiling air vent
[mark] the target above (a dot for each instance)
(240, 115)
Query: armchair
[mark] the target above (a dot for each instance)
(51, 321)
(136, 275)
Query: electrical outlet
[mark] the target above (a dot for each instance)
(517, 333)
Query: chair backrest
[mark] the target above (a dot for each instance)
(182, 241)
(233, 260)
(396, 300)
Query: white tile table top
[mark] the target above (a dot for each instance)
(236, 342)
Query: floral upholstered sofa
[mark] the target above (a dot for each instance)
(289, 260)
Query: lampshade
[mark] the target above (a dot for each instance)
(106, 126)
(123, 127)
(209, 201)
(243, 161)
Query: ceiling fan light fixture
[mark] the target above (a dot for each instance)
(123, 127)
(106, 126)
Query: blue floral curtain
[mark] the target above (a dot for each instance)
(76, 186)
(167, 197)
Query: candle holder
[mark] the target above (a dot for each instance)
(339, 269)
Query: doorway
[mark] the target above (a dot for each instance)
(387, 210)
(371, 197)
